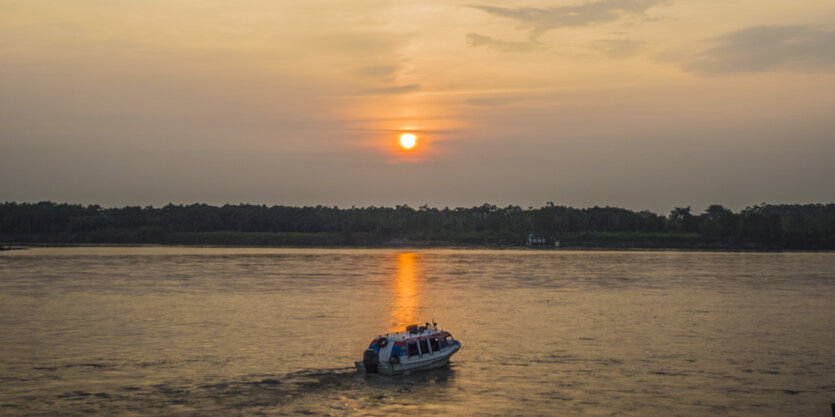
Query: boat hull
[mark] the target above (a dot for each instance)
(426, 362)
(418, 348)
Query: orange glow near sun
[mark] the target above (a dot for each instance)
(408, 140)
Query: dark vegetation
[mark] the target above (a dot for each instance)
(810, 226)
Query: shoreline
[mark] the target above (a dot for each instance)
(763, 228)
(404, 246)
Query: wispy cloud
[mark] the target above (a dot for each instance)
(376, 71)
(538, 21)
(397, 89)
(475, 39)
(619, 48)
(491, 101)
(765, 48)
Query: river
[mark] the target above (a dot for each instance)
(190, 331)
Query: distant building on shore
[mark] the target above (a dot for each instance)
(535, 241)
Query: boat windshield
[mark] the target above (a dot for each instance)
(433, 343)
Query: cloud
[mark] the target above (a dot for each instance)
(491, 101)
(397, 89)
(619, 48)
(376, 71)
(539, 21)
(765, 48)
(475, 39)
(370, 43)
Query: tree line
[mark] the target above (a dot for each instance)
(766, 226)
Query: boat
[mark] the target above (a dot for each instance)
(416, 349)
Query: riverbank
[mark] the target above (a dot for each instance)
(763, 227)
(487, 239)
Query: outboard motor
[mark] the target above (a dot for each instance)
(370, 359)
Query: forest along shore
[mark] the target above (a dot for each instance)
(763, 227)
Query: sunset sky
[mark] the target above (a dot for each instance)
(642, 104)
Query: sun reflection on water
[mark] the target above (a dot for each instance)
(406, 291)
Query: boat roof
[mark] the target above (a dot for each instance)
(420, 334)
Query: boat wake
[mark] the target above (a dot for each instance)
(314, 391)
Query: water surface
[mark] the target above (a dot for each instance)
(212, 331)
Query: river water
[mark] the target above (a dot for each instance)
(226, 332)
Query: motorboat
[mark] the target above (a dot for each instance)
(416, 349)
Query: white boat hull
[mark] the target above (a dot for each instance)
(417, 349)
(431, 361)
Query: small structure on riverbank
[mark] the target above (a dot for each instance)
(535, 241)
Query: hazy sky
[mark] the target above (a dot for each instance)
(643, 104)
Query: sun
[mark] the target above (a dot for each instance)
(408, 140)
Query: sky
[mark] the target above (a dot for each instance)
(641, 104)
